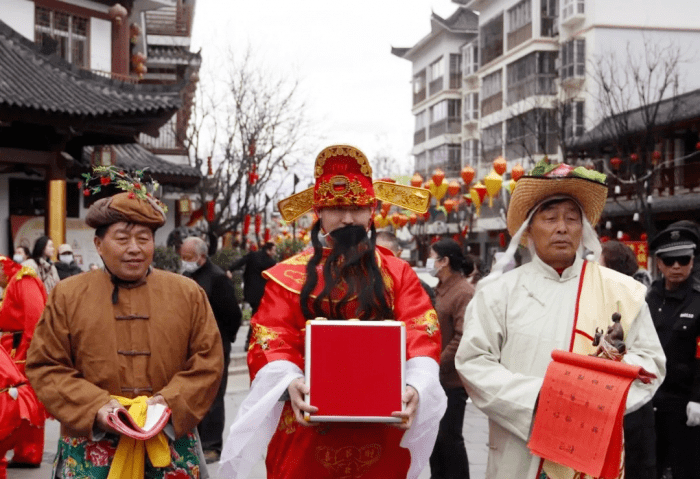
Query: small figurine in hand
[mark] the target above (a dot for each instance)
(611, 346)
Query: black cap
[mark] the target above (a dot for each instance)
(675, 241)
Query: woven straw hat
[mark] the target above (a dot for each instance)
(587, 187)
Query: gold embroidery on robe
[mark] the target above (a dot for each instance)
(263, 336)
(348, 462)
(429, 320)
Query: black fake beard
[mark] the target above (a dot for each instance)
(348, 237)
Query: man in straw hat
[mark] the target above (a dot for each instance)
(556, 301)
(348, 278)
(126, 336)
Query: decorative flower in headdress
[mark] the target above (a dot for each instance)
(136, 187)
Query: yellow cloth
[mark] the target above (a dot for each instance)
(129, 460)
(600, 298)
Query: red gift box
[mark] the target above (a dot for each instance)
(355, 369)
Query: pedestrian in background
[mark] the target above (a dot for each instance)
(452, 295)
(640, 436)
(388, 240)
(66, 265)
(674, 301)
(42, 264)
(254, 263)
(21, 255)
(227, 313)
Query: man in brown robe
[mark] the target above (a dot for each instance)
(125, 331)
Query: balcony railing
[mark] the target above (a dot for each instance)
(519, 36)
(114, 76)
(448, 125)
(419, 136)
(435, 86)
(492, 104)
(419, 97)
(455, 81)
(172, 21)
(667, 182)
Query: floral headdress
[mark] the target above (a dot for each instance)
(136, 186)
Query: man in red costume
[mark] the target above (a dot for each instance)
(22, 305)
(347, 278)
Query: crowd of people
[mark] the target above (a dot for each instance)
(165, 339)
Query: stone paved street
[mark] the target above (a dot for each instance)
(475, 429)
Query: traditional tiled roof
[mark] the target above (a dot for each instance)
(462, 20)
(173, 54)
(671, 111)
(30, 80)
(133, 156)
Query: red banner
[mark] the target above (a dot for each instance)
(641, 251)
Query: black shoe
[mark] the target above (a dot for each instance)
(212, 456)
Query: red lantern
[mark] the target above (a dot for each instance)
(467, 174)
(266, 236)
(403, 220)
(210, 211)
(655, 157)
(517, 172)
(258, 223)
(604, 239)
(246, 225)
(643, 236)
(634, 157)
(453, 188)
(438, 176)
(449, 205)
(615, 162)
(697, 145)
(417, 180)
(413, 218)
(625, 237)
(253, 175)
(500, 165)
(395, 220)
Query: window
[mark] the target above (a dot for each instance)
(471, 107)
(573, 59)
(491, 39)
(436, 70)
(471, 58)
(470, 152)
(492, 138)
(573, 119)
(520, 15)
(422, 164)
(419, 87)
(448, 157)
(438, 112)
(63, 33)
(570, 8)
(531, 75)
(550, 22)
(531, 133)
(455, 71)
(492, 85)
(421, 120)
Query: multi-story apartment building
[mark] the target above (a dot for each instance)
(438, 70)
(539, 60)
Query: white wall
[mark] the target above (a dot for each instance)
(19, 15)
(644, 13)
(100, 44)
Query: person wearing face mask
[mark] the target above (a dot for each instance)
(452, 295)
(348, 278)
(222, 297)
(66, 265)
(674, 301)
(21, 255)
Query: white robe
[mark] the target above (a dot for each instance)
(511, 327)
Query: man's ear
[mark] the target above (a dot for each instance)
(98, 244)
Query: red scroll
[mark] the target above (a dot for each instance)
(578, 422)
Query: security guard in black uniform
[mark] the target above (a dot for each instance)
(674, 301)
